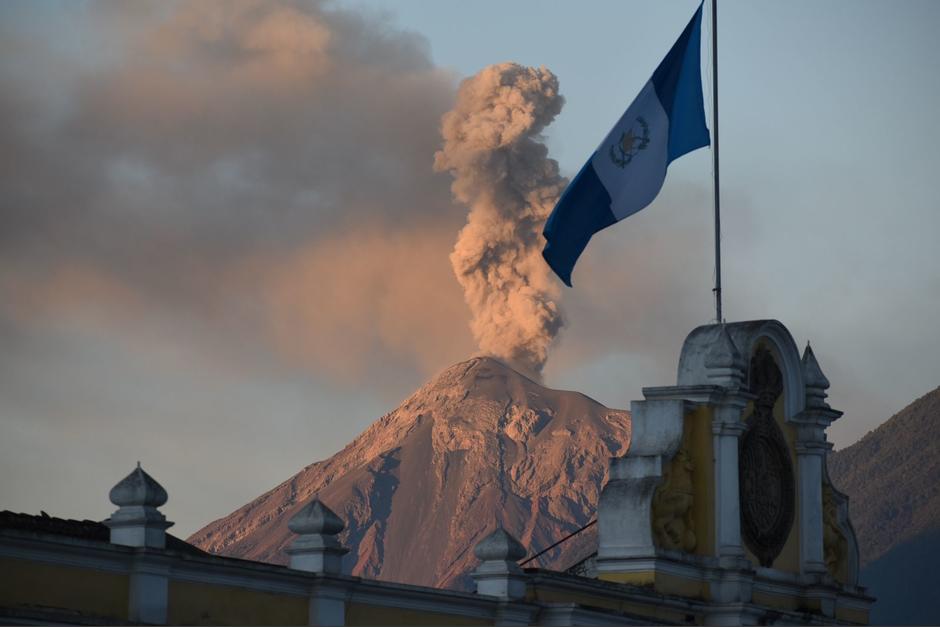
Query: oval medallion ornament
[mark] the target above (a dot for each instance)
(765, 473)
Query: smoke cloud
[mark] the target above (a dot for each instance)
(501, 170)
(220, 225)
(205, 160)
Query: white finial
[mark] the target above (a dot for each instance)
(137, 522)
(499, 545)
(315, 517)
(498, 574)
(316, 548)
(138, 488)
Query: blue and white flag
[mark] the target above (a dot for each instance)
(628, 169)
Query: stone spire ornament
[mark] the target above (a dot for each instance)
(815, 381)
(137, 522)
(723, 362)
(316, 549)
(499, 574)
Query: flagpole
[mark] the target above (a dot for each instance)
(717, 289)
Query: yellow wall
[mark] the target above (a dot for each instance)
(852, 615)
(697, 440)
(362, 614)
(208, 604)
(662, 583)
(786, 602)
(651, 609)
(697, 444)
(29, 584)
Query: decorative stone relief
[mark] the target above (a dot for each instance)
(673, 524)
(766, 478)
(835, 545)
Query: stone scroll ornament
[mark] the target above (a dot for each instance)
(673, 521)
(767, 492)
(835, 546)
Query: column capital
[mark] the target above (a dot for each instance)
(729, 409)
(732, 429)
(813, 447)
(816, 416)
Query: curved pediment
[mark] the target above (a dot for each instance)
(696, 367)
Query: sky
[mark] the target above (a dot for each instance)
(224, 247)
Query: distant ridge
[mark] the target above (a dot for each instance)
(479, 443)
(892, 477)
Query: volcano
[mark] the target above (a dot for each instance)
(480, 445)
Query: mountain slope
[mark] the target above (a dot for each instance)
(892, 477)
(479, 443)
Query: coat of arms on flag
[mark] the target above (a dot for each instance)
(630, 144)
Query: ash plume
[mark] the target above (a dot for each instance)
(494, 150)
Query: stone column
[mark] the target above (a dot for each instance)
(724, 366)
(137, 523)
(317, 550)
(810, 455)
(727, 429)
(732, 583)
(811, 450)
(148, 598)
(327, 605)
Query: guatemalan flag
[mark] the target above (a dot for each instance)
(628, 169)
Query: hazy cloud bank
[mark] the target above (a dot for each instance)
(217, 148)
(223, 240)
